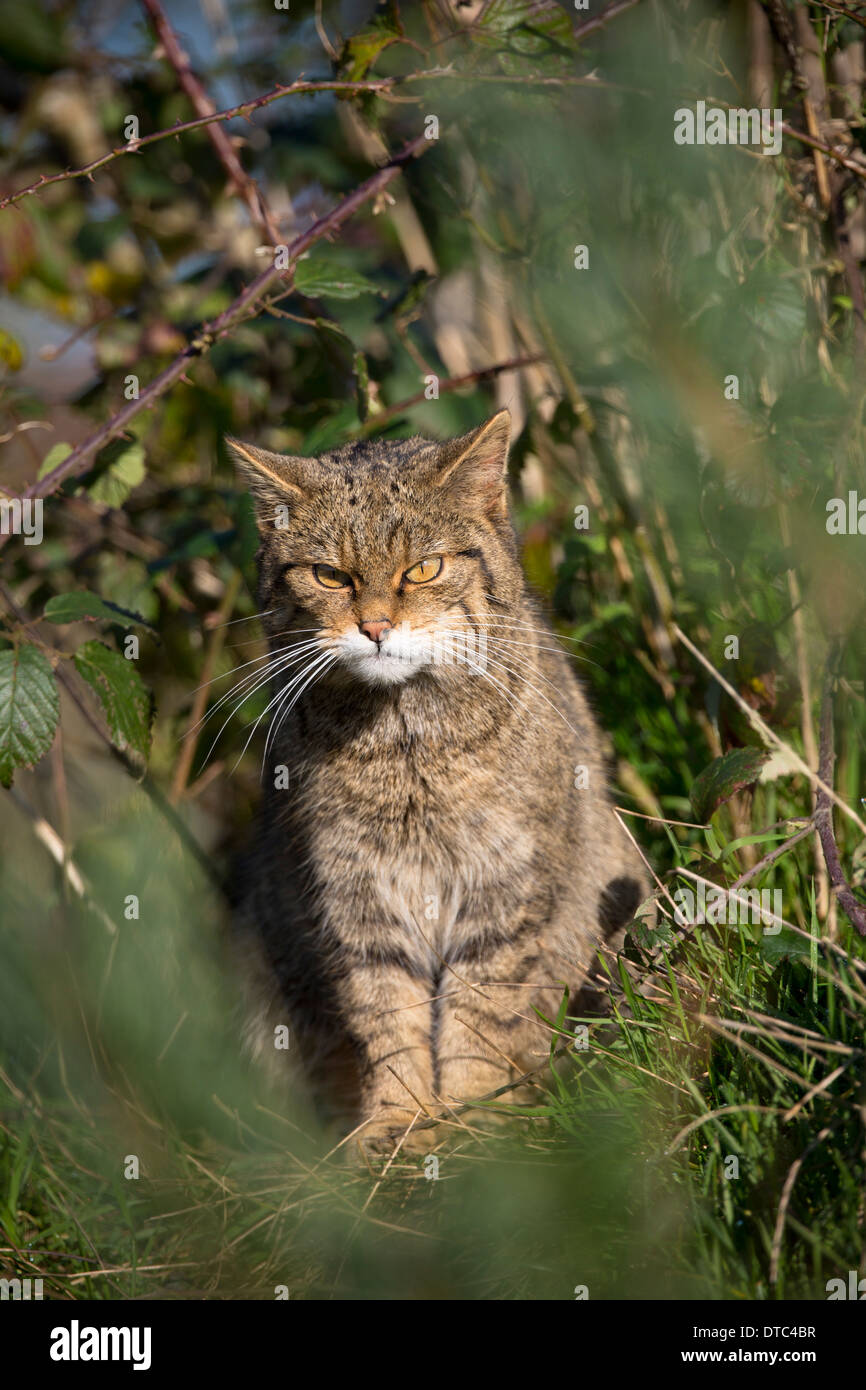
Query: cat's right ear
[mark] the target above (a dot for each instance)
(274, 480)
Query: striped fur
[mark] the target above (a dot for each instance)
(431, 871)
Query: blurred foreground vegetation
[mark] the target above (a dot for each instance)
(693, 378)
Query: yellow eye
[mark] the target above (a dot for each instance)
(330, 578)
(425, 570)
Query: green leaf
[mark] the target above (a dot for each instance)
(83, 606)
(125, 699)
(11, 354)
(331, 430)
(362, 49)
(650, 937)
(544, 18)
(29, 708)
(785, 945)
(362, 385)
(130, 582)
(32, 39)
(56, 454)
(335, 331)
(775, 306)
(320, 277)
(727, 775)
(125, 473)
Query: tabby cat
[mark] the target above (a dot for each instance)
(430, 860)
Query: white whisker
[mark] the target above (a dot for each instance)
(262, 679)
(264, 656)
(285, 692)
(531, 627)
(249, 619)
(282, 715)
(284, 632)
(280, 695)
(520, 676)
(509, 694)
(265, 672)
(516, 642)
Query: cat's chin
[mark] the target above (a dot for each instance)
(384, 670)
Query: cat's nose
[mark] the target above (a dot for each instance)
(374, 628)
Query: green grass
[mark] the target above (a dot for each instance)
(119, 1037)
(723, 1045)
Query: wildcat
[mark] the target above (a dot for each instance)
(426, 865)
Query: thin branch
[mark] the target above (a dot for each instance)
(823, 809)
(332, 52)
(774, 854)
(733, 896)
(202, 695)
(211, 333)
(590, 25)
(762, 727)
(452, 383)
(785, 1199)
(843, 10)
(239, 180)
(795, 31)
(858, 169)
(62, 856)
(244, 109)
(788, 129)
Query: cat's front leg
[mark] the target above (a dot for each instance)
(486, 1030)
(386, 1006)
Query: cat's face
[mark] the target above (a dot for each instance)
(388, 558)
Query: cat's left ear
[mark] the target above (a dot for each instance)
(473, 468)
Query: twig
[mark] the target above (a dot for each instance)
(774, 854)
(761, 727)
(810, 745)
(788, 129)
(244, 109)
(816, 1090)
(239, 180)
(785, 1200)
(211, 333)
(823, 810)
(452, 383)
(843, 10)
(858, 169)
(515, 1067)
(809, 75)
(590, 25)
(332, 52)
(61, 854)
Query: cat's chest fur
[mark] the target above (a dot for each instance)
(428, 835)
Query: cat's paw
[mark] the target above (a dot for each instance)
(379, 1141)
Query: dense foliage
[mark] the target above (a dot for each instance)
(679, 332)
